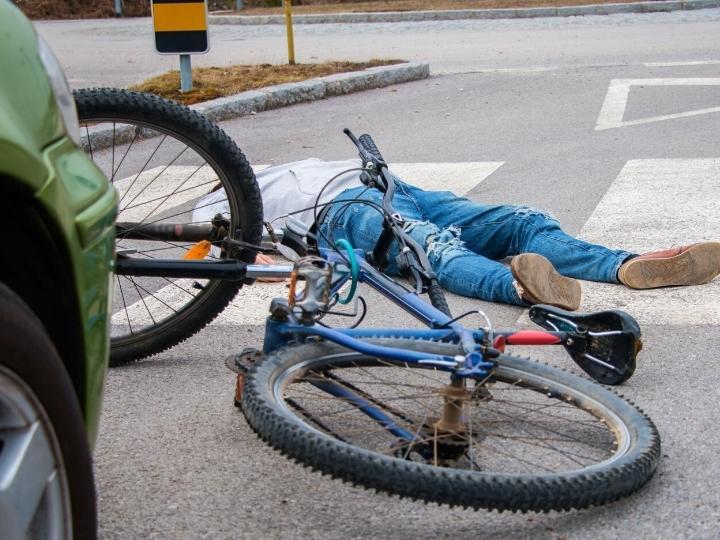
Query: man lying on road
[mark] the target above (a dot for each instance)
(465, 240)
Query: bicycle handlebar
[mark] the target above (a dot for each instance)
(421, 270)
(368, 152)
(367, 141)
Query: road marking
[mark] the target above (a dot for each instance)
(459, 178)
(144, 194)
(686, 63)
(655, 204)
(613, 109)
(251, 304)
(517, 70)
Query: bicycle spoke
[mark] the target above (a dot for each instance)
(142, 298)
(124, 304)
(162, 140)
(158, 175)
(214, 181)
(525, 435)
(87, 134)
(112, 163)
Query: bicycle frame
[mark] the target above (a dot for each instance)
(566, 329)
(479, 345)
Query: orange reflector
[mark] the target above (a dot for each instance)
(199, 251)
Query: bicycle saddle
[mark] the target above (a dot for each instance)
(604, 344)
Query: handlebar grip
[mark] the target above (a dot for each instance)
(437, 297)
(369, 145)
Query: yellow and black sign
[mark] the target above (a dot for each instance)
(180, 26)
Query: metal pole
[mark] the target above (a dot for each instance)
(288, 26)
(118, 8)
(185, 73)
(238, 5)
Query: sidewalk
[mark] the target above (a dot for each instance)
(460, 14)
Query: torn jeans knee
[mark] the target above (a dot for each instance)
(446, 244)
(438, 243)
(459, 269)
(529, 211)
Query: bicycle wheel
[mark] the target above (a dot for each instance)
(528, 437)
(171, 166)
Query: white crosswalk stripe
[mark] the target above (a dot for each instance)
(655, 204)
(251, 304)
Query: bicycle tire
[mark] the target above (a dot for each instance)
(134, 122)
(315, 441)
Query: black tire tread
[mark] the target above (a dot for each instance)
(447, 486)
(437, 297)
(110, 103)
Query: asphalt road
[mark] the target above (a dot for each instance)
(175, 459)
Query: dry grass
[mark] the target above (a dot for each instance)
(214, 82)
(323, 6)
(81, 9)
(66, 9)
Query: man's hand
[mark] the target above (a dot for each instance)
(261, 258)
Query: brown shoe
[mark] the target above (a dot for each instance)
(687, 265)
(538, 282)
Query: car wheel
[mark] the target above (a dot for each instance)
(46, 480)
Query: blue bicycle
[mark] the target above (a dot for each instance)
(443, 414)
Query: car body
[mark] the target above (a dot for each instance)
(57, 214)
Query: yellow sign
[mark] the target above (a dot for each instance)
(180, 26)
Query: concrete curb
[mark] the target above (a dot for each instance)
(282, 95)
(460, 14)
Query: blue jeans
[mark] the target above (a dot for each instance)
(465, 240)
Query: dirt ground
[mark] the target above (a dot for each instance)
(214, 82)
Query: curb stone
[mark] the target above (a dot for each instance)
(281, 95)
(462, 14)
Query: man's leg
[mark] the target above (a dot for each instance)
(499, 231)
(459, 270)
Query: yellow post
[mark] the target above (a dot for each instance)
(288, 26)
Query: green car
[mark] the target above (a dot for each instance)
(57, 216)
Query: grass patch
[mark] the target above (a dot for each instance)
(214, 82)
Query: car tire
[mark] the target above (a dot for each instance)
(47, 487)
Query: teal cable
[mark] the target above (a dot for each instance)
(354, 269)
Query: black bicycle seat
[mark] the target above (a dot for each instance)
(604, 344)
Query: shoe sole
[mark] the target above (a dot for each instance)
(542, 284)
(697, 265)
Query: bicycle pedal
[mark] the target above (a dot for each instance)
(241, 363)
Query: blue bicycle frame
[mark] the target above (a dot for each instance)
(478, 345)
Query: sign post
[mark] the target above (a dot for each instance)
(287, 4)
(181, 27)
(185, 73)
